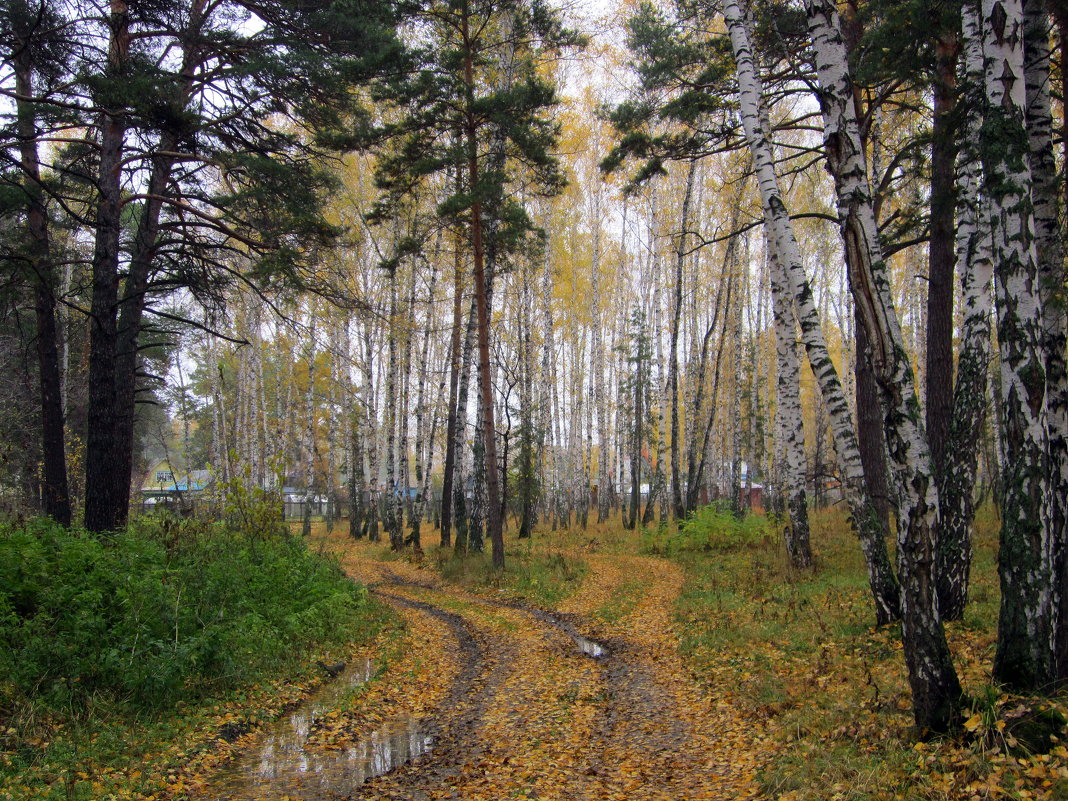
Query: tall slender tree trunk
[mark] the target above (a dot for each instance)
(599, 367)
(309, 426)
(493, 518)
(527, 475)
(129, 308)
(460, 487)
(734, 421)
(935, 687)
(357, 476)
(657, 482)
(871, 440)
(703, 472)
(106, 503)
(673, 357)
(940, 255)
(55, 492)
(1024, 658)
(975, 267)
(548, 457)
(391, 511)
(452, 421)
(373, 507)
(883, 584)
(404, 478)
(699, 449)
(790, 420)
(1049, 245)
(423, 444)
(637, 423)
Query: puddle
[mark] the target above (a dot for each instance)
(589, 647)
(281, 765)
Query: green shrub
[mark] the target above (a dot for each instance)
(167, 610)
(710, 528)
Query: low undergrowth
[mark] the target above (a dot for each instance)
(801, 651)
(541, 576)
(129, 650)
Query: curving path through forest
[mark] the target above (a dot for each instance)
(512, 707)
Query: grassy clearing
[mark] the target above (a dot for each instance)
(800, 650)
(122, 660)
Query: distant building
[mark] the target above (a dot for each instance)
(165, 487)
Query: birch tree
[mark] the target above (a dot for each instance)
(1049, 251)
(785, 250)
(935, 687)
(1024, 657)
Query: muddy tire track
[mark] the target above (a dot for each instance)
(454, 734)
(635, 713)
(529, 711)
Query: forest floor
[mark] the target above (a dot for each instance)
(649, 665)
(590, 701)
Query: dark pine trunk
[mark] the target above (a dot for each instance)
(106, 489)
(55, 492)
(941, 256)
(871, 440)
(494, 523)
(449, 469)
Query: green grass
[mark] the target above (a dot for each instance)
(800, 651)
(126, 650)
(542, 577)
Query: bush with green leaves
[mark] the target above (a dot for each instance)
(166, 610)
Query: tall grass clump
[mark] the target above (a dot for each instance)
(165, 611)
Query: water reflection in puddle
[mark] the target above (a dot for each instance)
(282, 764)
(589, 647)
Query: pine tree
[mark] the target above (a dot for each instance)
(33, 46)
(187, 184)
(452, 111)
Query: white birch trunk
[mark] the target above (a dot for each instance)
(369, 430)
(1025, 626)
(785, 248)
(789, 422)
(599, 367)
(935, 688)
(1050, 253)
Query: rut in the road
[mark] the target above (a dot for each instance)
(564, 726)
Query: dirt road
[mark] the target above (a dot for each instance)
(513, 702)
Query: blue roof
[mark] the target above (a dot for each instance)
(195, 481)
